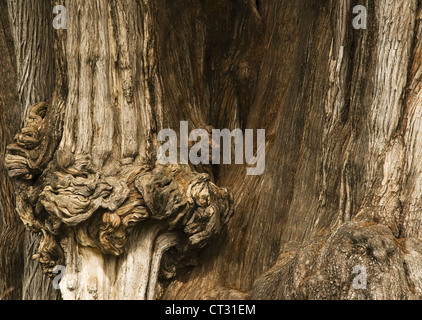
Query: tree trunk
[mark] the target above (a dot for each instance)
(340, 190)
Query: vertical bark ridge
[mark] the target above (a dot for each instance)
(32, 31)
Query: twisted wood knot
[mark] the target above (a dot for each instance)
(69, 194)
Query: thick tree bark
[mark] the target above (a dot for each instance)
(341, 184)
(11, 229)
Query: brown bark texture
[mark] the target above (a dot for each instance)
(340, 107)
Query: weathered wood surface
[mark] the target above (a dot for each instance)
(341, 112)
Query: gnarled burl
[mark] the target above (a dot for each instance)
(88, 216)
